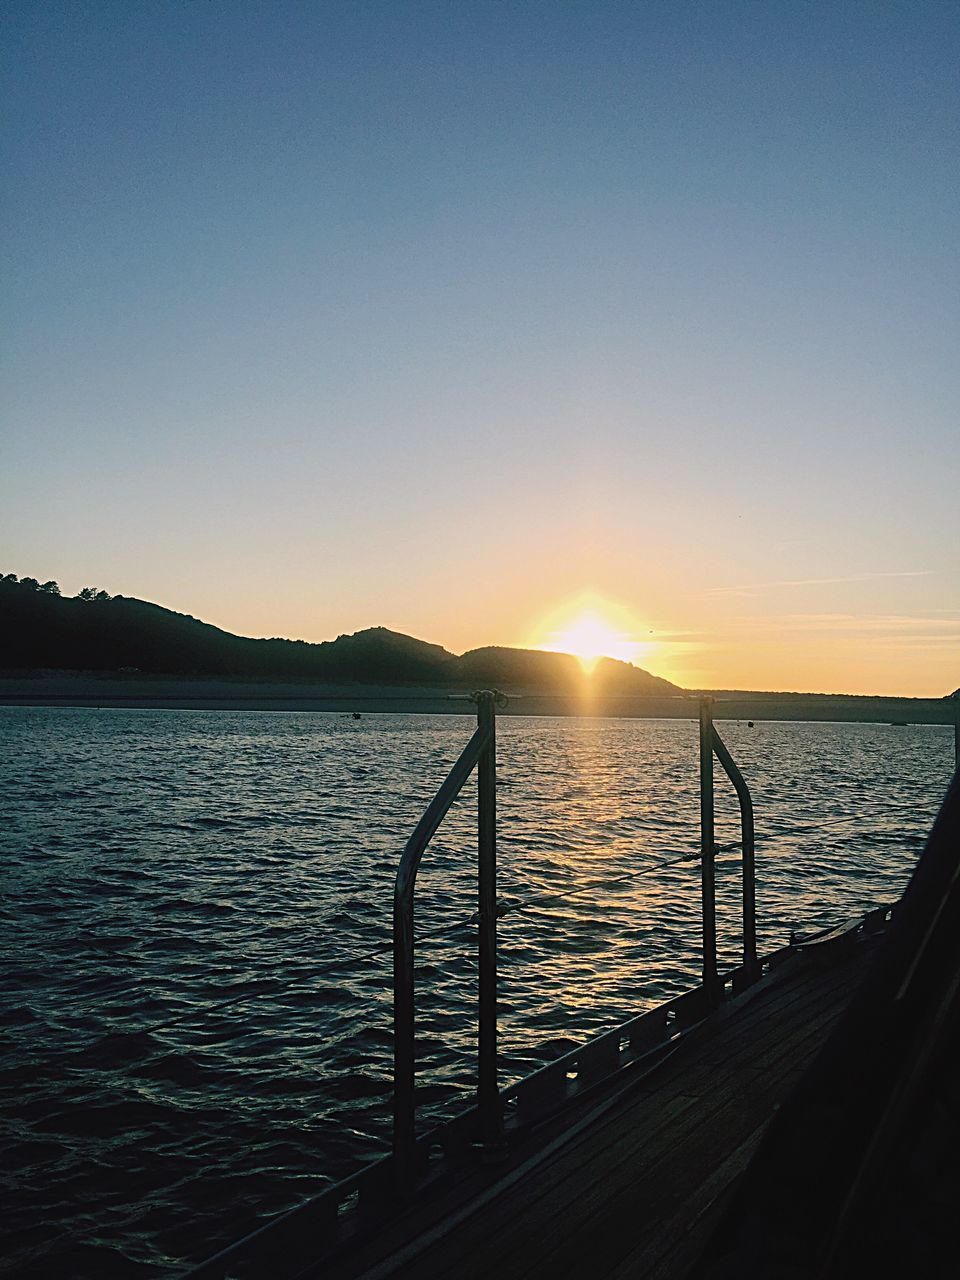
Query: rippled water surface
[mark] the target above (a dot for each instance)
(160, 863)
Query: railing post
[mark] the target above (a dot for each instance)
(749, 866)
(711, 982)
(488, 1098)
(955, 699)
(404, 1051)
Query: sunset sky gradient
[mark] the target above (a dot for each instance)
(450, 316)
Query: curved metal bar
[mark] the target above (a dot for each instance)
(403, 987)
(708, 848)
(747, 846)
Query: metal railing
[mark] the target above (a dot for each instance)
(351, 1206)
(711, 744)
(480, 753)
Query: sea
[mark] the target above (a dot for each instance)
(196, 908)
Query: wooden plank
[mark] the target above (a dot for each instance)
(672, 1250)
(538, 1188)
(666, 1183)
(630, 1132)
(656, 1151)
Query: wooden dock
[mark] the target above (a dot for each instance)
(634, 1186)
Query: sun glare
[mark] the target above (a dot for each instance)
(592, 632)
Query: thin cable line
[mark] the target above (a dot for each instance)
(792, 831)
(538, 899)
(267, 986)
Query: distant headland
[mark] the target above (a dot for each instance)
(103, 650)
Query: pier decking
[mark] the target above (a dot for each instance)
(635, 1186)
(624, 1157)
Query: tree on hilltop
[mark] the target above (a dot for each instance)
(51, 588)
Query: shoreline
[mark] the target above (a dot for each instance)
(186, 694)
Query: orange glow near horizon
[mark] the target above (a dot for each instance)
(794, 638)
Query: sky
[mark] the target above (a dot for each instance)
(463, 318)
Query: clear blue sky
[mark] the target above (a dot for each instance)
(319, 316)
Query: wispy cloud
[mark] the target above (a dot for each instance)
(888, 624)
(752, 588)
(869, 621)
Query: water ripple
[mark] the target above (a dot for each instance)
(160, 863)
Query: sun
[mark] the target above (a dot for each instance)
(590, 638)
(591, 631)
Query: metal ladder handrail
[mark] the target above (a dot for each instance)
(711, 744)
(479, 754)
(747, 851)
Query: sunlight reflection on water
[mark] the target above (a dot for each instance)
(159, 862)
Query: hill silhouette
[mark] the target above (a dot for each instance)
(42, 630)
(504, 668)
